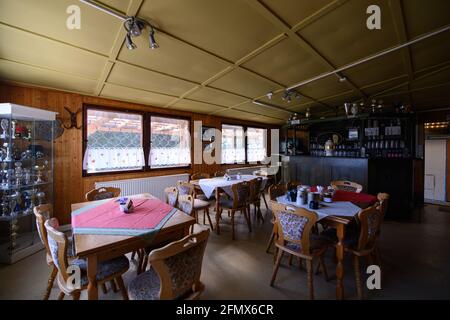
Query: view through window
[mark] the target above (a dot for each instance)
(170, 143)
(233, 144)
(256, 144)
(114, 141)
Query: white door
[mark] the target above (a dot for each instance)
(435, 168)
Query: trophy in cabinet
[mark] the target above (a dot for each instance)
(39, 169)
(13, 129)
(41, 197)
(18, 173)
(8, 148)
(4, 124)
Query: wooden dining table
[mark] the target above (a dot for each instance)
(340, 223)
(96, 248)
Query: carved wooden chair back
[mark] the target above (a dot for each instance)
(102, 193)
(179, 266)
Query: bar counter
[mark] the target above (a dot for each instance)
(396, 176)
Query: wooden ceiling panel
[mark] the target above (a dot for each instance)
(294, 11)
(245, 84)
(48, 54)
(214, 96)
(256, 109)
(174, 58)
(286, 63)
(430, 95)
(431, 51)
(48, 17)
(342, 36)
(325, 87)
(195, 106)
(383, 85)
(126, 75)
(237, 114)
(383, 68)
(229, 29)
(22, 73)
(135, 95)
(424, 16)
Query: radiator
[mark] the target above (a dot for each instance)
(152, 185)
(245, 170)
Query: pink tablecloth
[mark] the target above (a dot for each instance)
(106, 217)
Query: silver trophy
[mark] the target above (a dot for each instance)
(39, 173)
(8, 152)
(4, 124)
(27, 176)
(18, 172)
(41, 196)
(13, 129)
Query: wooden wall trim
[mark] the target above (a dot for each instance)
(70, 186)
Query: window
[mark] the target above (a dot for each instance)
(114, 141)
(170, 143)
(233, 144)
(256, 144)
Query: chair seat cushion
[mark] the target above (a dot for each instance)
(350, 239)
(105, 269)
(201, 204)
(145, 286)
(226, 203)
(316, 242)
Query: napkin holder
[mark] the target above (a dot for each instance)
(126, 205)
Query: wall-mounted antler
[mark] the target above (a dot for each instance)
(73, 119)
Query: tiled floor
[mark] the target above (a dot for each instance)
(416, 260)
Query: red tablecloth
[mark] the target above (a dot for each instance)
(341, 195)
(107, 218)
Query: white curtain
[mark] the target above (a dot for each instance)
(169, 157)
(110, 159)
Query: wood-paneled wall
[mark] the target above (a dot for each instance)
(70, 186)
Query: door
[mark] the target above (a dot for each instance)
(435, 170)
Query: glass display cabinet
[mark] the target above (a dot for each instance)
(26, 176)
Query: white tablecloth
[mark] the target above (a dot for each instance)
(209, 185)
(337, 208)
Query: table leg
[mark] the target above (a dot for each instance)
(340, 262)
(217, 211)
(92, 277)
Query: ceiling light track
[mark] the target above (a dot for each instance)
(372, 57)
(133, 25)
(270, 106)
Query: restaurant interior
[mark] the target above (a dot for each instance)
(224, 150)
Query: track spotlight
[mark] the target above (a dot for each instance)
(152, 40)
(129, 43)
(269, 95)
(134, 26)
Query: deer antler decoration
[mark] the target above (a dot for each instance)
(73, 119)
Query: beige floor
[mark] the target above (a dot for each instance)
(416, 263)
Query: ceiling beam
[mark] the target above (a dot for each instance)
(132, 10)
(294, 36)
(400, 28)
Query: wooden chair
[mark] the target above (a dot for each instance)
(198, 176)
(346, 186)
(171, 196)
(383, 199)
(238, 202)
(110, 270)
(275, 191)
(292, 185)
(255, 196)
(42, 213)
(102, 193)
(219, 173)
(295, 238)
(186, 188)
(175, 271)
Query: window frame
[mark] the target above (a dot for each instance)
(245, 127)
(146, 127)
(162, 115)
(246, 142)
